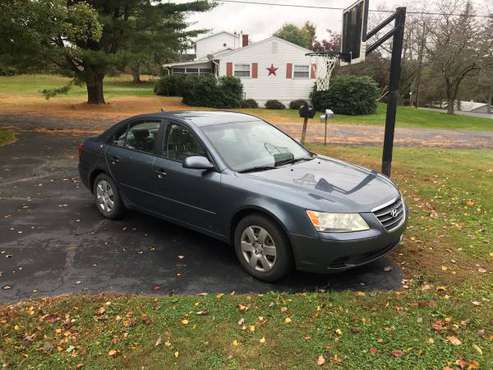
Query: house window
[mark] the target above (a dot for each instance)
(301, 72)
(242, 70)
(178, 70)
(192, 71)
(204, 71)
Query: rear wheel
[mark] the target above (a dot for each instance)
(262, 248)
(107, 198)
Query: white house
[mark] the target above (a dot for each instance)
(270, 69)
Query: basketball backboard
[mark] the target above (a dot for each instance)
(354, 28)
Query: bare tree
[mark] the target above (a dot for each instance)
(455, 50)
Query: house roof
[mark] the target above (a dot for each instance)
(282, 41)
(215, 34)
(190, 63)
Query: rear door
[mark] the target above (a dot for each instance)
(192, 196)
(131, 157)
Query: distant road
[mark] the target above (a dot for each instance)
(470, 114)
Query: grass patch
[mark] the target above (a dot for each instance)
(6, 136)
(441, 318)
(406, 117)
(122, 86)
(32, 85)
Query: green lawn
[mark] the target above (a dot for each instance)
(6, 136)
(32, 85)
(29, 85)
(406, 117)
(440, 319)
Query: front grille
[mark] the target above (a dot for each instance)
(391, 215)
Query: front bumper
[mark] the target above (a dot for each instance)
(332, 252)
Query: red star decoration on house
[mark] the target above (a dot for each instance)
(272, 70)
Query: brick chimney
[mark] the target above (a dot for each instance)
(244, 40)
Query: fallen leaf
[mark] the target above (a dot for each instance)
(320, 360)
(482, 270)
(184, 322)
(373, 350)
(177, 354)
(112, 353)
(287, 320)
(235, 343)
(477, 348)
(241, 321)
(284, 309)
(397, 353)
(454, 340)
(262, 340)
(158, 341)
(339, 332)
(387, 268)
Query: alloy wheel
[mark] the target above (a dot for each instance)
(105, 196)
(258, 248)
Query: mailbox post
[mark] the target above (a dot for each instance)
(329, 114)
(306, 112)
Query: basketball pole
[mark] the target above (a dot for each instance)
(395, 76)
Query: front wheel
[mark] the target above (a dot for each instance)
(262, 248)
(107, 198)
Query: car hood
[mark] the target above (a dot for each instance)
(332, 185)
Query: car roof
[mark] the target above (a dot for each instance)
(205, 118)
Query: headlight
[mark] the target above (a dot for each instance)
(337, 222)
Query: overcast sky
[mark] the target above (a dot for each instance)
(262, 21)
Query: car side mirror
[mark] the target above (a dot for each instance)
(197, 162)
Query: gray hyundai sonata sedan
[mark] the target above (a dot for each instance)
(241, 180)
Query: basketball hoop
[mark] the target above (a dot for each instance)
(325, 64)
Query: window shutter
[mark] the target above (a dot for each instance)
(313, 74)
(254, 70)
(229, 69)
(289, 71)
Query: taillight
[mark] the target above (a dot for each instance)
(81, 149)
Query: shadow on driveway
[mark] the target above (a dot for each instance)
(53, 241)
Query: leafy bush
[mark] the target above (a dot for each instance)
(274, 104)
(249, 103)
(348, 94)
(172, 85)
(296, 104)
(207, 91)
(7, 71)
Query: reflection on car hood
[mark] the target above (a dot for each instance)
(333, 184)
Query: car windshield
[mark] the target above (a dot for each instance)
(254, 146)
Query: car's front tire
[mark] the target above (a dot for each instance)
(262, 248)
(108, 200)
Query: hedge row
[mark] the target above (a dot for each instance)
(205, 91)
(351, 95)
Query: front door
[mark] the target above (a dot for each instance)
(131, 158)
(192, 196)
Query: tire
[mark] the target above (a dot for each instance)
(107, 198)
(266, 253)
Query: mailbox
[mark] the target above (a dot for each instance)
(306, 111)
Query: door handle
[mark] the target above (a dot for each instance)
(114, 159)
(161, 173)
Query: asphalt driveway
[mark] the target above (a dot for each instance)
(53, 241)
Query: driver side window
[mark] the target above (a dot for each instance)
(181, 143)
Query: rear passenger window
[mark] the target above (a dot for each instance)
(143, 136)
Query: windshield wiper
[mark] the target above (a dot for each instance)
(258, 169)
(292, 161)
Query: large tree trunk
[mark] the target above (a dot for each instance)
(94, 83)
(450, 106)
(490, 101)
(136, 74)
